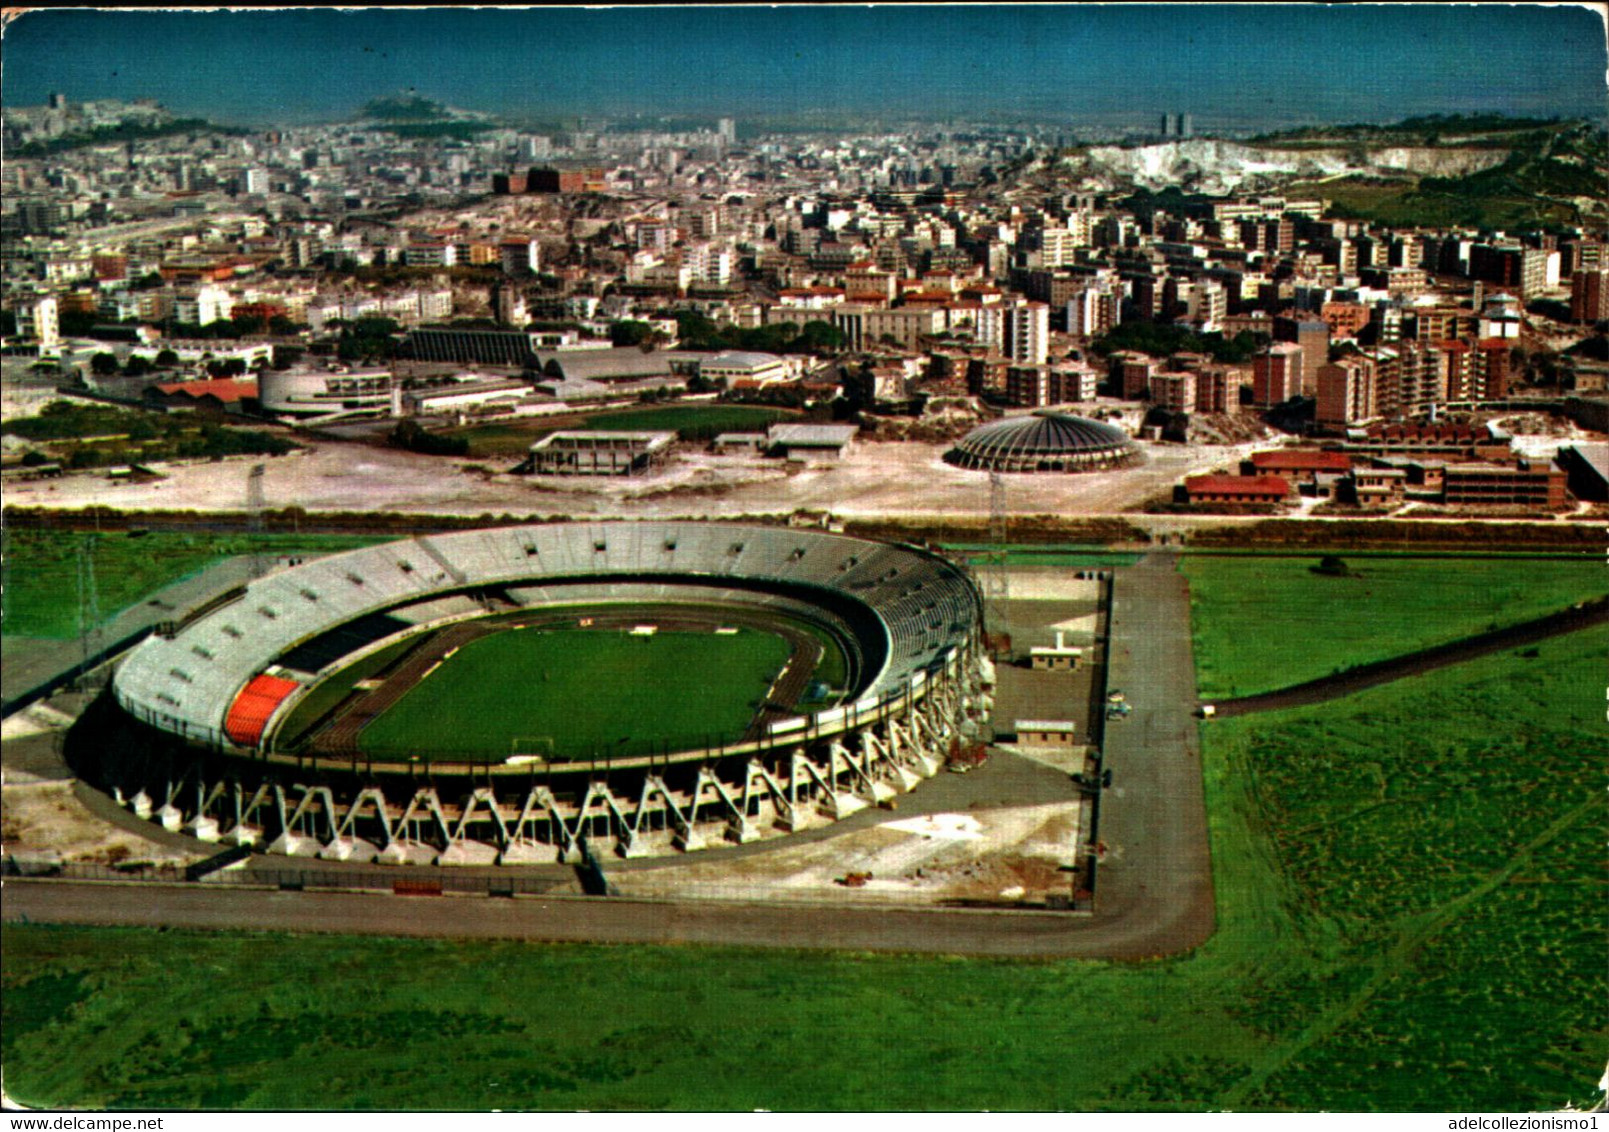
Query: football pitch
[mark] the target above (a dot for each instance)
(575, 693)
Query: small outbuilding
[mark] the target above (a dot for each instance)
(1045, 732)
(1060, 657)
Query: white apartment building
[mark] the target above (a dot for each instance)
(431, 255)
(37, 319)
(207, 304)
(1094, 310)
(1020, 331)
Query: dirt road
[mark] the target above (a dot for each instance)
(580, 919)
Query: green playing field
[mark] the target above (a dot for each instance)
(572, 694)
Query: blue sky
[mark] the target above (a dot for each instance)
(1110, 65)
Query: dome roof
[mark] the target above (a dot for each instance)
(1044, 441)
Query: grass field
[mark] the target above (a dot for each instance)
(583, 693)
(1409, 918)
(41, 569)
(1265, 623)
(1072, 557)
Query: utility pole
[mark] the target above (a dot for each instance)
(996, 581)
(89, 606)
(256, 504)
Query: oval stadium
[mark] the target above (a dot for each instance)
(1044, 441)
(518, 694)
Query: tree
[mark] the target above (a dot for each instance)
(166, 359)
(138, 365)
(287, 356)
(629, 332)
(818, 337)
(103, 364)
(411, 435)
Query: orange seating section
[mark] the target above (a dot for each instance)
(255, 705)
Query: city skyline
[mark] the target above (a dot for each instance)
(1112, 66)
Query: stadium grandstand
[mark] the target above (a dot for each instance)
(205, 744)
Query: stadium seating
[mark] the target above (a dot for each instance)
(189, 682)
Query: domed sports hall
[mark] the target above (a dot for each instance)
(517, 694)
(1044, 441)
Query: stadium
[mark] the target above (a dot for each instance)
(518, 694)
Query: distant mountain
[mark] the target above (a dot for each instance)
(404, 108)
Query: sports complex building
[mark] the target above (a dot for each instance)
(510, 695)
(1044, 441)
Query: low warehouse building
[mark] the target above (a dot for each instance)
(1060, 657)
(1236, 489)
(811, 442)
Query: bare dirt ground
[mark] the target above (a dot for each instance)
(874, 480)
(41, 814)
(1011, 853)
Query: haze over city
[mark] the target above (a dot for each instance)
(1233, 66)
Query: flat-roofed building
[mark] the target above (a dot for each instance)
(1134, 372)
(1217, 390)
(1276, 374)
(1346, 392)
(1523, 484)
(1036, 387)
(1045, 732)
(742, 365)
(1586, 468)
(903, 326)
(1174, 391)
(1589, 295)
(1377, 487)
(463, 395)
(600, 453)
(1313, 336)
(1059, 657)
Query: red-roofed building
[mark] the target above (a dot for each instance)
(1303, 465)
(221, 395)
(1236, 489)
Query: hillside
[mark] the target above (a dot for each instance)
(1472, 171)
